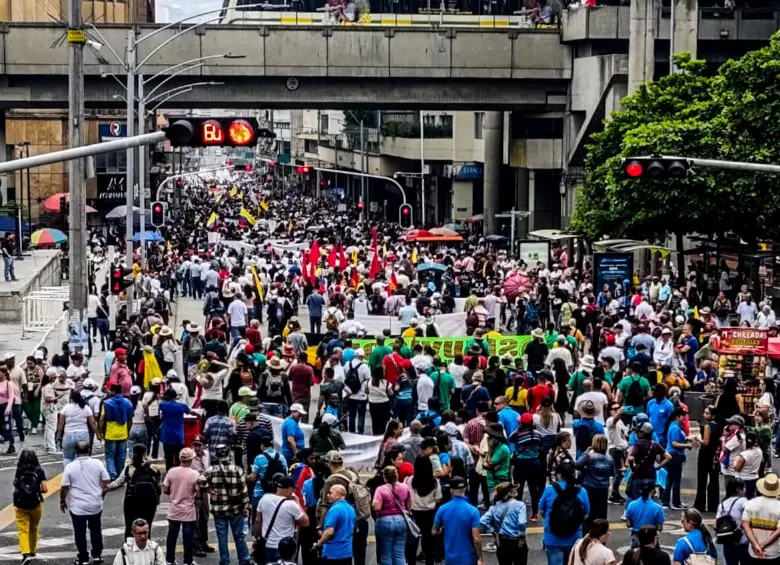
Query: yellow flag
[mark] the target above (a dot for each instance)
(212, 219)
(263, 205)
(696, 312)
(233, 192)
(247, 216)
(355, 258)
(414, 256)
(258, 284)
(384, 251)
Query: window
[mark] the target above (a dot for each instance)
(429, 120)
(446, 122)
(114, 162)
(324, 123)
(536, 128)
(479, 119)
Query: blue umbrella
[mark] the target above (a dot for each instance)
(497, 237)
(431, 267)
(149, 236)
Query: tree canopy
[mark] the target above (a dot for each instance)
(731, 116)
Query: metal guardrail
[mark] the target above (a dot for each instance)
(42, 309)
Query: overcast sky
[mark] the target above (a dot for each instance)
(174, 10)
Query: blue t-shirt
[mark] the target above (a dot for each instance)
(585, 429)
(693, 343)
(659, 413)
(172, 416)
(633, 439)
(678, 435)
(682, 550)
(260, 466)
(471, 396)
(291, 428)
(508, 418)
(309, 500)
(545, 505)
(341, 517)
(644, 513)
(458, 518)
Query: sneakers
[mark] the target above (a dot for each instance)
(27, 558)
(616, 499)
(490, 547)
(209, 549)
(11, 450)
(34, 431)
(679, 507)
(535, 518)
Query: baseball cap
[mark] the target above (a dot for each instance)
(186, 454)
(199, 439)
(297, 408)
(246, 391)
(334, 456)
(9, 355)
(359, 352)
(526, 418)
(283, 481)
(120, 351)
(38, 354)
(457, 483)
(646, 429)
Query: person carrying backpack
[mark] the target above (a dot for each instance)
(565, 507)
(332, 318)
(193, 346)
(632, 392)
(264, 467)
(29, 486)
(142, 489)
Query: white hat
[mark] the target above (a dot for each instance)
(297, 408)
(90, 384)
(38, 354)
(135, 390)
(9, 355)
(171, 374)
(329, 419)
(359, 352)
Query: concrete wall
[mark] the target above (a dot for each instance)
(47, 275)
(409, 148)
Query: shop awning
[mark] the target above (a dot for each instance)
(551, 234)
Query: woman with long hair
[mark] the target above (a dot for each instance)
(548, 424)
(748, 463)
(648, 552)
(75, 421)
(560, 453)
(592, 549)
(391, 500)
(142, 493)
(707, 471)
(729, 402)
(393, 431)
(735, 547)
(697, 539)
(597, 468)
(516, 395)
(29, 488)
(168, 348)
(380, 392)
(506, 520)
(565, 487)
(426, 496)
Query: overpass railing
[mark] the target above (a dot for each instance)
(42, 309)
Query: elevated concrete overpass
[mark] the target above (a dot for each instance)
(332, 66)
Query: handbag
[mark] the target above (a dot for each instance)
(411, 526)
(259, 549)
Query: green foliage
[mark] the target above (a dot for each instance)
(730, 116)
(412, 129)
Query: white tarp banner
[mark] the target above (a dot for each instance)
(281, 247)
(450, 325)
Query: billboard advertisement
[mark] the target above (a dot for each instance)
(611, 269)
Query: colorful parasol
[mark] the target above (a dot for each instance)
(52, 203)
(47, 236)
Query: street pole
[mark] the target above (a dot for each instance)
(29, 194)
(130, 180)
(141, 171)
(362, 170)
(77, 244)
(671, 38)
(422, 169)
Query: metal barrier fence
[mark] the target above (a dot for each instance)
(42, 309)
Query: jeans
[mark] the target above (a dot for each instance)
(391, 539)
(236, 525)
(274, 409)
(357, 408)
(137, 435)
(103, 329)
(673, 480)
(28, 527)
(16, 414)
(477, 482)
(69, 442)
(8, 264)
(80, 525)
(736, 554)
(116, 454)
(404, 412)
(618, 456)
(638, 485)
(557, 555)
(187, 534)
(315, 324)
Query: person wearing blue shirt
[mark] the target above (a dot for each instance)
(689, 348)
(460, 522)
(507, 417)
(676, 444)
(558, 547)
(585, 428)
(260, 467)
(337, 529)
(643, 511)
(293, 439)
(315, 303)
(172, 429)
(506, 519)
(659, 408)
(697, 539)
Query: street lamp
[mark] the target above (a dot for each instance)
(25, 147)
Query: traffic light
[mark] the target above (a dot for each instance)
(302, 170)
(657, 168)
(360, 205)
(179, 183)
(119, 280)
(248, 168)
(405, 214)
(158, 214)
(214, 132)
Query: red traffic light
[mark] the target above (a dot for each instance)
(322, 183)
(229, 163)
(248, 168)
(306, 170)
(299, 170)
(405, 211)
(634, 169)
(240, 132)
(157, 208)
(360, 205)
(271, 163)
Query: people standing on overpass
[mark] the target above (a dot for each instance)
(8, 249)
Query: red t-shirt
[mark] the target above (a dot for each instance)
(535, 395)
(405, 470)
(393, 365)
(481, 364)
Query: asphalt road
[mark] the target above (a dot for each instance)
(56, 544)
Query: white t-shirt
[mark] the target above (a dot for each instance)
(84, 476)
(215, 392)
(76, 418)
(237, 312)
(763, 511)
(457, 374)
(424, 391)
(611, 351)
(284, 525)
(753, 458)
(597, 554)
(378, 394)
(735, 445)
(599, 400)
(363, 374)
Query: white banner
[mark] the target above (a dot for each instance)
(281, 247)
(450, 325)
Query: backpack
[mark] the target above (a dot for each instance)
(273, 385)
(583, 437)
(275, 466)
(196, 348)
(215, 306)
(358, 495)
(352, 379)
(247, 379)
(143, 485)
(331, 321)
(430, 331)
(726, 528)
(27, 491)
(567, 512)
(634, 396)
(698, 558)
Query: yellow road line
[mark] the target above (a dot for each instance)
(7, 514)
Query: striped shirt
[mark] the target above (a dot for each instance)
(474, 430)
(218, 431)
(527, 444)
(763, 513)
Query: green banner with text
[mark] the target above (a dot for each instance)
(448, 347)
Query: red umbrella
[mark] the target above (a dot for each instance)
(415, 234)
(52, 203)
(515, 284)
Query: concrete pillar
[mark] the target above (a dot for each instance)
(686, 26)
(493, 129)
(641, 43)
(532, 200)
(3, 178)
(521, 200)
(462, 193)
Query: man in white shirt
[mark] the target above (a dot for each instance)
(560, 352)
(424, 391)
(358, 400)
(643, 309)
(663, 352)
(599, 400)
(290, 515)
(760, 521)
(84, 482)
(197, 286)
(140, 550)
(612, 351)
(237, 313)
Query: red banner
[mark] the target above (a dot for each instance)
(743, 341)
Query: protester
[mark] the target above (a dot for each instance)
(506, 520)
(460, 522)
(563, 520)
(181, 484)
(29, 487)
(141, 550)
(277, 517)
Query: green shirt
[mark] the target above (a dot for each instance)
(575, 383)
(764, 436)
(446, 384)
(625, 385)
(378, 354)
(609, 376)
(406, 352)
(499, 472)
(239, 411)
(483, 343)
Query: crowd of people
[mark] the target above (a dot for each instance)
(596, 399)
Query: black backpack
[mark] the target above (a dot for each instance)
(275, 466)
(143, 485)
(567, 512)
(726, 528)
(634, 396)
(352, 380)
(27, 491)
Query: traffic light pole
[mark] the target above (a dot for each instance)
(730, 165)
(366, 175)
